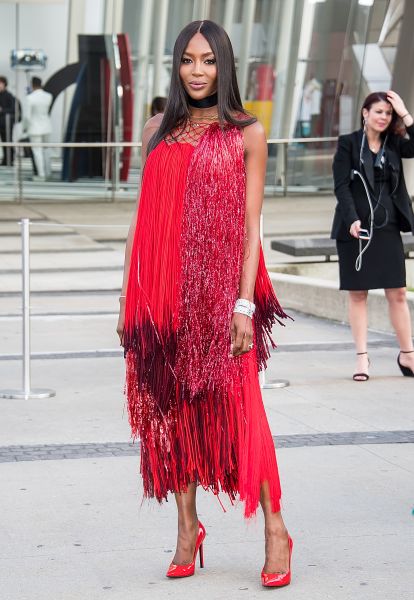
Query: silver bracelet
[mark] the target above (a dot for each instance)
(244, 307)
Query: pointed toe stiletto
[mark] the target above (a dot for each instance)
(188, 570)
(406, 371)
(361, 376)
(278, 579)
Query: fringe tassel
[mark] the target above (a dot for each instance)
(211, 249)
(222, 443)
(193, 441)
(150, 313)
(268, 312)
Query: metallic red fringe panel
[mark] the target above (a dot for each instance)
(198, 412)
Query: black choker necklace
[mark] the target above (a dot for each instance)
(204, 102)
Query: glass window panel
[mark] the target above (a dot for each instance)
(310, 65)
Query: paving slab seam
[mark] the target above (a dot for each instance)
(21, 453)
(59, 250)
(331, 346)
(64, 293)
(38, 234)
(12, 220)
(89, 313)
(64, 270)
(114, 352)
(110, 353)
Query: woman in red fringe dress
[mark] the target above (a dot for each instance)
(194, 276)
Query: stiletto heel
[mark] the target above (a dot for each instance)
(188, 570)
(278, 579)
(361, 376)
(406, 371)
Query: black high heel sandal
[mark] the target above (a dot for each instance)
(361, 376)
(406, 371)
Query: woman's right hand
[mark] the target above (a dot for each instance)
(355, 229)
(121, 321)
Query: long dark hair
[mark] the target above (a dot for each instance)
(229, 103)
(396, 125)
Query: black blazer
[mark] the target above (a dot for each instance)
(352, 204)
(8, 107)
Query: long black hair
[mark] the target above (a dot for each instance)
(229, 104)
(396, 125)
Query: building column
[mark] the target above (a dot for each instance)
(282, 65)
(286, 66)
(249, 8)
(76, 24)
(114, 10)
(159, 50)
(141, 69)
(201, 9)
(402, 81)
(229, 16)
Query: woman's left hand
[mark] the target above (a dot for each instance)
(397, 103)
(241, 332)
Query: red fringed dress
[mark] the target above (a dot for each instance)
(197, 411)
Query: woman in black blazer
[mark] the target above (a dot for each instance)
(375, 153)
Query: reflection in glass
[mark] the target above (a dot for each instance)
(303, 68)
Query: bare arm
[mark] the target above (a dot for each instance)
(150, 128)
(255, 161)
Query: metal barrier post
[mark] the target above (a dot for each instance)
(26, 393)
(115, 166)
(8, 150)
(274, 383)
(285, 169)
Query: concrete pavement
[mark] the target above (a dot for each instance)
(73, 526)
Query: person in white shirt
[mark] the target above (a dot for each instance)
(38, 125)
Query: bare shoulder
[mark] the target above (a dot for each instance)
(254, 136)
(151, 126)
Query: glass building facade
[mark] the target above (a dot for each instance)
(304, 68)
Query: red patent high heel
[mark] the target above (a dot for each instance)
(278, 579)
(188, 570)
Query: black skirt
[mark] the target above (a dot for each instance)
(383, 264)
